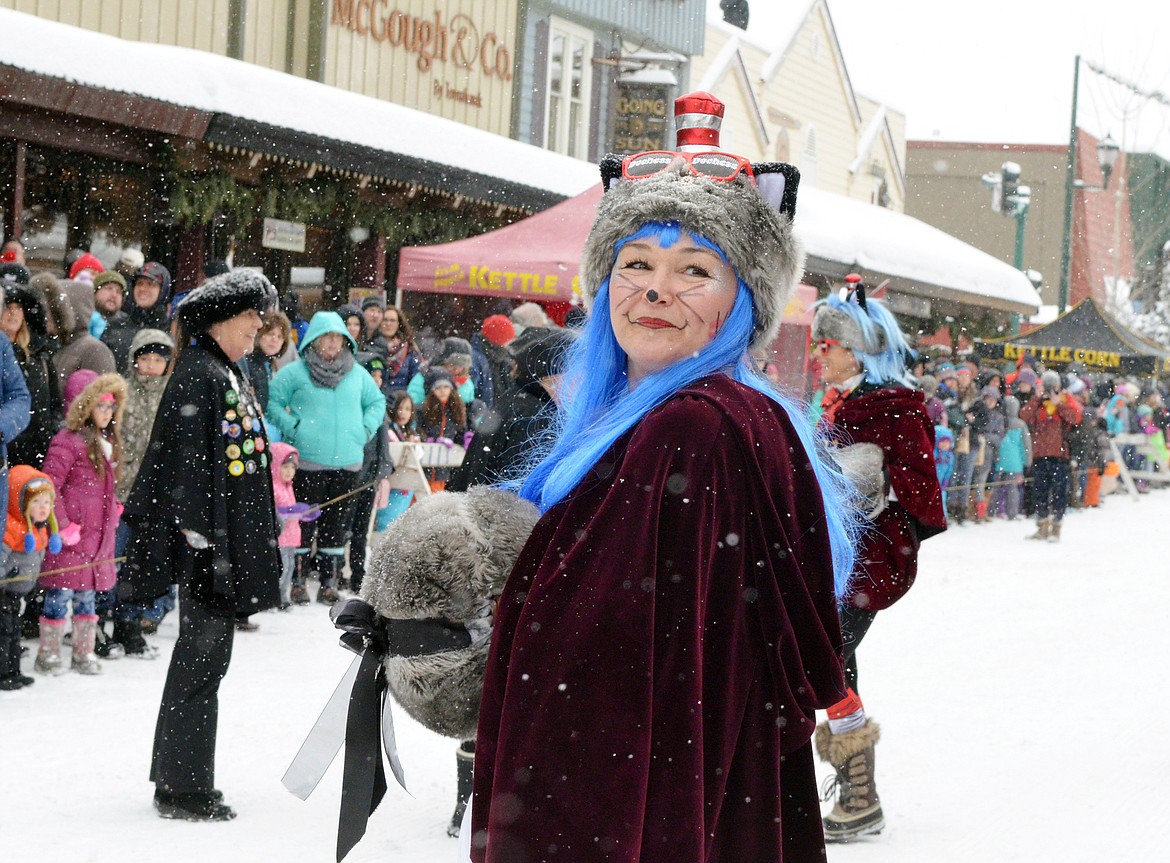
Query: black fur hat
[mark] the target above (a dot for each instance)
(225, 297)
(31, 302)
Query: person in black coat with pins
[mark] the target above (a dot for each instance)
(203, 516)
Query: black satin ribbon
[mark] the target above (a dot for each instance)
(363, 783)
(373, 638)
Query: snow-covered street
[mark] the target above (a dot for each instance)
(1020, 688)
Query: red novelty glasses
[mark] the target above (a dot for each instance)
(712, 165)
(822, 346)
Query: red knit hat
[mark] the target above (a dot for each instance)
(498, 330)
(86, 262)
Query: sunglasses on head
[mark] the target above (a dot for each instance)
(712, 165)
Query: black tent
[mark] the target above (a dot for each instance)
(1084, 335)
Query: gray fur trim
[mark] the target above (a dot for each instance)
(757, 240)
(446, 556)
(863, 464)
(837, 325)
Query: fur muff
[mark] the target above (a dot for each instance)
(836, 749)
(447, 556)
(757, 240)
(863, 464)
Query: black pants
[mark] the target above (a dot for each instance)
(184, 738)
(359, 529)
(1050, 485)
(319, 486)
(854, 625)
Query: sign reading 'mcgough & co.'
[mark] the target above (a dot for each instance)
(440, 57)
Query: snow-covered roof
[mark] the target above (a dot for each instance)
(220, 85)
(916, 257)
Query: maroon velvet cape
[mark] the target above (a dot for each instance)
(659, 651)
(895, 419)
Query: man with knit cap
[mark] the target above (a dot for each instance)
(203, 515)
(149, 293)
(1050, 414)
(109, 292)
(492, 365)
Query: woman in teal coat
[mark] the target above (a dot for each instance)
(327, 406)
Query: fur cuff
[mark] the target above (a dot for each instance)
(839, 748)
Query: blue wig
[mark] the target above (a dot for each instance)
(889, 362)
(598, 406)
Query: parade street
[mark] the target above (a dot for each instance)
(1016, 686)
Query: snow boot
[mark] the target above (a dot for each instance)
(49, 651)
(128, 633)
(10, 647)
(857, 810)
(464, 764)
(1043, 528)
(300, 593)
(1054, 531)
(192, 805)
(332, 565)
(85, 660)
(105, 646)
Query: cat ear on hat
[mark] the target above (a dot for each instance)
(778, 183)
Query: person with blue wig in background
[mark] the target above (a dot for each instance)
(670, 627)
(884, 439)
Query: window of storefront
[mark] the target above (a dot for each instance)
(75, 201)
(570, 62)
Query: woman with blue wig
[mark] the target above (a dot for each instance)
(670, 627)
(885, 441)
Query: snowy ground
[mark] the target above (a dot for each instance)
(1020, 687)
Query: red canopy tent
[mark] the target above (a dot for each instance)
(534, 259)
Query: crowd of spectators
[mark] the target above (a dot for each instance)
(87, 354)
(1030, 441)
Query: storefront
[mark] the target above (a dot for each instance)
(187, 164)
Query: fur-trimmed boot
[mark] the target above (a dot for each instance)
(857, 811)
(85, 660)
(1043, 529)
(464, 781)
(49, 651)
(1054, 531)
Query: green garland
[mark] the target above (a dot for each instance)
(200, 198)
(197, 199)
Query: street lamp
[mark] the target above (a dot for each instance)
(1011, 198)
(1107, 153)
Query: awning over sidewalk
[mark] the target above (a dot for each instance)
(842, 235)
(238, 104)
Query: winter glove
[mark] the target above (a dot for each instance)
(71, 535)
(862, 465)
(382, 497)
(467, 436)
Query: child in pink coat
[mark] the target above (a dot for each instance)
(82, 462)
(291, 513)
